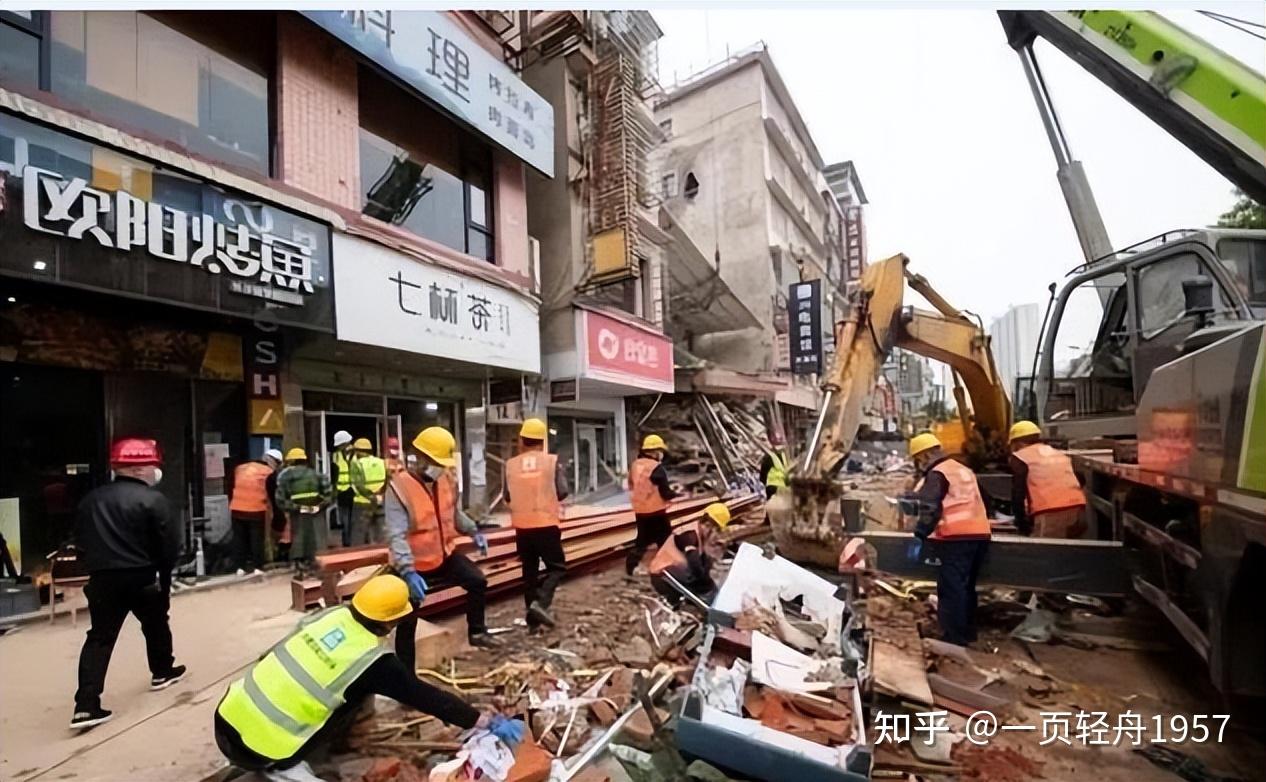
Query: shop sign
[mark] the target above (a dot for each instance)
(92, 218)
(854, 244)
(806, 327)
(429, 52)
(616, 352)
(390, 299)
(262, 353)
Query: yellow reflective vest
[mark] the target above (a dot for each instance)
(777, 475)
(290, 693)
(369, 475)
(344, 482)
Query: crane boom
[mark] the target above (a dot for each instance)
(1206, 99)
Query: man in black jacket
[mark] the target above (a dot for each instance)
(121, 534)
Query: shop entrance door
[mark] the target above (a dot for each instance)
(320, 426)
(587, 439)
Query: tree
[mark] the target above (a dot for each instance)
(1246, 213)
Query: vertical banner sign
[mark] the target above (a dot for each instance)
(805, 303)
(854, 243)
(263, 380)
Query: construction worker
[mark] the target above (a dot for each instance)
(303, 493)
(123, 537)
(251, 508)
(307, 690)
(648, 485)
(369, 477)
(952, 513)
(424, 518)
(534, 491)
(341, 477)
(688, 556)
(774, 465)
(1046, 496)
(393, 454)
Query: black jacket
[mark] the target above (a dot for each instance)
(124, 524)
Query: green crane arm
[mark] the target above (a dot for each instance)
(1212, 103)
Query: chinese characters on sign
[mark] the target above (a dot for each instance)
(441, 304)
(266, 266)
(805, 327)
(428, 51)
(854, 243)
(620, 353)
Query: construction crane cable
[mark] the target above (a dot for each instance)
(1230, 21)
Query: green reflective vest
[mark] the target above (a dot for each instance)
(344, 481)
(777, 476)
(289, 694)
(369, 475)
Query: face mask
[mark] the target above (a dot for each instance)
(433, 471)
(158, 476)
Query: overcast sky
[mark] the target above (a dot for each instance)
(933, 108)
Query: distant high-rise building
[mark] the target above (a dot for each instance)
(1014, 339)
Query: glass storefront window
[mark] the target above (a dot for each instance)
(420, 171)
(19, 53)
(168, 77)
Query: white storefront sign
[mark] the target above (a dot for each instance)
(386, 298)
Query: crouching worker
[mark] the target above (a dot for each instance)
(687, 556)
(305, 692)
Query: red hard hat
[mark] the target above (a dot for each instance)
(135, 452)
(393, 445)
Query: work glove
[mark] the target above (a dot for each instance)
(417, 585)
(508, 730)
(914, 549)
(480, 542)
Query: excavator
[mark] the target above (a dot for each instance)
(1164, 410)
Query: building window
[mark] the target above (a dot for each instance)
(420, 171)
(200, 80)
(666, 126)
(668, 185)
(24, 49)
(692, 186)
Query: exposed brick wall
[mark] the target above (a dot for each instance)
(317, 116)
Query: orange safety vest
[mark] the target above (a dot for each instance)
(963, 512)
(250, 488)
(1052, 484)
(669, 556)
(432, 518)
(533, 496)
(646, 496)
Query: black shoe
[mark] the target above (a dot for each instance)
(90, 718)
(540, 614)
(483, 641)
(176, 673)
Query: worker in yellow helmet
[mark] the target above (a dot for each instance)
(534, 489)
(1046, 497)
(950, 512)
(774, 465)
(688, 555)
(650, 493)
(369, 478)
(303, 493)
(307, 690)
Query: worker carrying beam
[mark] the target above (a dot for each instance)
(650, 492)
(424, 518)
(951, 513)
(1046, 496)
(688, 556)
(534, 491)
(308, 689)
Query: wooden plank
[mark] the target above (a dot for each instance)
(900, 671)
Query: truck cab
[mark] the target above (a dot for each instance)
(1116, 320)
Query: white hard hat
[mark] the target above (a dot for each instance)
(341, 437)
(274, 454)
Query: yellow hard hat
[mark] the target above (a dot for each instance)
(362, 444)
(922, 442)
(383, 599)
(720, 513)
(296, 455)
(654, 442)
(1024, 429)
(533, 429)
(438, 444)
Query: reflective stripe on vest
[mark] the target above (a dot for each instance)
(306, 486)
(962, 511)
(646, 496)
(777, 475)
(432, 530)
(1052, 484)
(250, 488)
(669, 556)
(344, 481)
(373, 472)
(288, 695)
(533, 495)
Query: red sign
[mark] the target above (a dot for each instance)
(617, 352)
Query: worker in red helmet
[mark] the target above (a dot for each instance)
(121, 532)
